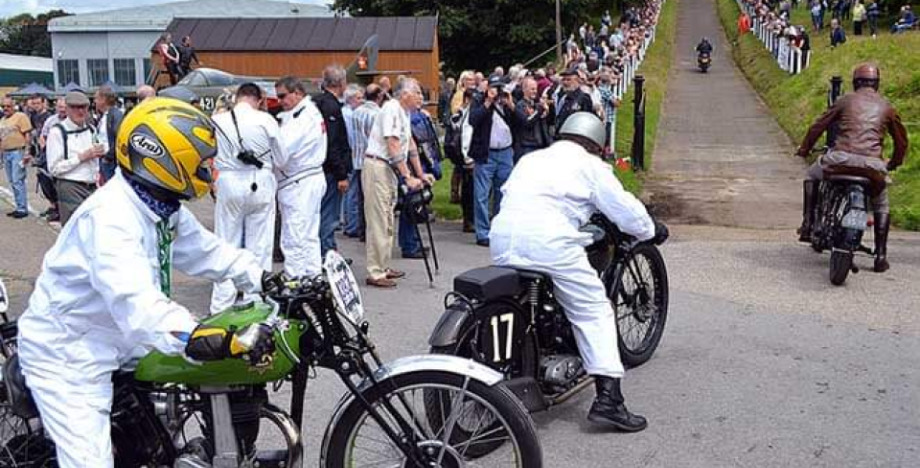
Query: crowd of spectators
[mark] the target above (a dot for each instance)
(494, 120)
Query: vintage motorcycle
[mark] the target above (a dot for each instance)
(703, 61)
(509, 319)
(840, 220)
(169, 412)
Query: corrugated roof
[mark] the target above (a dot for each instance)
(405, 33)
(157, 17)
(26, 63)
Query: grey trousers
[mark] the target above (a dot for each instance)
(70, 195)
(840, 158)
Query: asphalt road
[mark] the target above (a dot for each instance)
(763, 363)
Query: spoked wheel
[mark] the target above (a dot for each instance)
(639, 297)
(483, 416)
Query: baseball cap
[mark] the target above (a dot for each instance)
(76, 98)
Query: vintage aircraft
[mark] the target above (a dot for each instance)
(210, 85)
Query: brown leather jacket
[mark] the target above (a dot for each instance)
(862, 118)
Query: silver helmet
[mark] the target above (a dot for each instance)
(586, 125)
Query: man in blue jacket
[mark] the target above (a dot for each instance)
(492, 150)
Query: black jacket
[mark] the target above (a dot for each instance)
(481, 121)
(338, 152)
(575, 101)
(532, 131)
(112, 122)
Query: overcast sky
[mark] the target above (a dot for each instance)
(15, 7)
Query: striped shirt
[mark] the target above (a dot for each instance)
(363, 121)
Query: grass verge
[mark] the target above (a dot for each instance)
(797, 100)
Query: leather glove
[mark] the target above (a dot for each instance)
(661, 233)
(273, 282)
(254, 343)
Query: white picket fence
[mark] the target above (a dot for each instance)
(790, 59)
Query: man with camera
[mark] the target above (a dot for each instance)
(73, 154)
(532, 132)
(389, 147)
(492, 119)
(244, 216)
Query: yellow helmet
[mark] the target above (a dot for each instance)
(167, 143)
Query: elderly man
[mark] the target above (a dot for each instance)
(244, 214)
(14, 138)
(492, 149)
(351, 210)
(73, 155)
(532, 131)
(145, 92)
(389, 146)
(106, 106)
(337, 165)
(301, 183)
(570, 98)
(363, 118)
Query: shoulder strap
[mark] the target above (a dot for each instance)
(64, 135)
(239, 136)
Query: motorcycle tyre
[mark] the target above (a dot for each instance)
(504, 402)
(628, 357)
(840, 265)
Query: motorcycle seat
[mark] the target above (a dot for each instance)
(488, 283)
(847, 179)
(18, 394)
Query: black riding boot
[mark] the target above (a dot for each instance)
(608, 407)
(882, 222)
(809, 196)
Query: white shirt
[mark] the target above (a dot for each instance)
(97, 302)
(500, 133)
(303, 143)
(260, 134)
(552, 193)
(391, 122)
(69, 167)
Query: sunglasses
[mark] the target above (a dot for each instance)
(281, 96)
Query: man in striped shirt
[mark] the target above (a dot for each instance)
(362, 122)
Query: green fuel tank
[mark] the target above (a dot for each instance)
(160, 368)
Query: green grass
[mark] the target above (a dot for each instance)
(655, 69)
(796, 101)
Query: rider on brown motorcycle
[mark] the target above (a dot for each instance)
(862, 119)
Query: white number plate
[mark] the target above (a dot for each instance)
(344, 287)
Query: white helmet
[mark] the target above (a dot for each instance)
(588, 126)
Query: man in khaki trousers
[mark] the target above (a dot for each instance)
(389, 146)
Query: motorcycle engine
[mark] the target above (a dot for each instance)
(245, 408)
(560, 372)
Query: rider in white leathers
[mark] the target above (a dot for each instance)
(552, 193)
(102, 298)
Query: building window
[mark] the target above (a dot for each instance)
(124, 72)
(68, 71)
(148, 65)
(98, 70)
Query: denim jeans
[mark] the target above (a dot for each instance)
(488, 178)
(354, 206)
(16, 174)
(330, 208)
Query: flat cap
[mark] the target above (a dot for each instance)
(76, 98)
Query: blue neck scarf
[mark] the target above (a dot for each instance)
(163, 209)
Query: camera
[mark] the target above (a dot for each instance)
(248, 157)
(416, 203)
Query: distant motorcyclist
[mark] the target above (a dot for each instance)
(862, 119)
(704, 47)
(102, 299)
(552, 193)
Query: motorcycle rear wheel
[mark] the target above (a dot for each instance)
(840, 265)
(357, 440)
(639, 297)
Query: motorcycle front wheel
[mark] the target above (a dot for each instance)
(639, 296)
(488, 416)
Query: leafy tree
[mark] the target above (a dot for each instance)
(25, 34)
(482, 34)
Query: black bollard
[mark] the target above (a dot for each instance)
(835, 92)
(638, 144)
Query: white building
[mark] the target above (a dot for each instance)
(92, 48)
